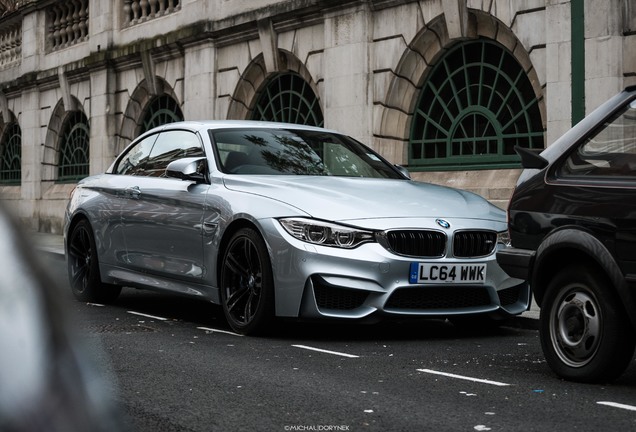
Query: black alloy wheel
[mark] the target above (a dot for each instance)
(247, 287)
(83, 267)
(585, 333)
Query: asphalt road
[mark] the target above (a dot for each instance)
(174, 366)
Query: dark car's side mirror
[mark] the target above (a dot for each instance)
(191, 169)
(531, 158)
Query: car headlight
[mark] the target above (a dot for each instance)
(326, 233)
(503, 238)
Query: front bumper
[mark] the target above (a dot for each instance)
(325, 282)
(516, 262)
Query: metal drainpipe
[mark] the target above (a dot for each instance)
(577, 17)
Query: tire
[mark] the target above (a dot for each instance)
(83, 267)
(247, 287)
(585, 333)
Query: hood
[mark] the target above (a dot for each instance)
(345, 198)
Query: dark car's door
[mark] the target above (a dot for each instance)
(162, 218)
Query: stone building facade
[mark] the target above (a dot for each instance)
(444, 87)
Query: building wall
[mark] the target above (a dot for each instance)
(365, 59)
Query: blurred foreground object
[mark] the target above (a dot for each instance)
(46, 380)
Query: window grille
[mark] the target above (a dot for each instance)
(161, 110)
(11, 155)
(476, 105)
(288, 98)
(74, 148)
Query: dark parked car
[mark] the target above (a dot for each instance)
(572, 223)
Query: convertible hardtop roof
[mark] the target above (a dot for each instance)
(235, 124)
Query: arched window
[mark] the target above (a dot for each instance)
(161, 110)
(288, 98)
(11, 155)
(74, 148)
(476, 105)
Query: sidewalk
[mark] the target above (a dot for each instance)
(50, 243)
(54, 244)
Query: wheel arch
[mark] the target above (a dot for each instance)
(73, 221)
(576, 246)
(229, 231)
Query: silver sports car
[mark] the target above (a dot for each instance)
(280, 220)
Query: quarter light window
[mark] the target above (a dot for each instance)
(151, 156)
(610, 153)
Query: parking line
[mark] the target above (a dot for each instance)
(213, 330)
(326, 351)
(483, 381)
(618, 405)
(148, 316)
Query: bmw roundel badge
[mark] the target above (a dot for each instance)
(444, 224)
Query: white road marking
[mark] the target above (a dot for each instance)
(326, 351)
(148, 316)
(483, 381)
(618, 405)
(213, 330)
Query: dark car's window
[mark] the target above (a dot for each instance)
(300, 152)
(151, 156)
(610, 153)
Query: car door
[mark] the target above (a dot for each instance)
(162, 218)
(112, 194)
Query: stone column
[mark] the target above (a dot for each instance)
(199, 85)
(32, 154)
(558, 70)
(603, 51)
(101, 20)
(348, 93)
(102, 120)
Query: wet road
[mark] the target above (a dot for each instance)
(175, 366)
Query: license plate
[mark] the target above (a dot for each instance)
(433, 273)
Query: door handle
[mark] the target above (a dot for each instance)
(132, 192)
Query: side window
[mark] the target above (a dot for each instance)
(135, 159)
(170, 146)
(610, 153)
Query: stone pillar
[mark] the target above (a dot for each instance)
(558, 70)
(101, 24)
(32, 154)
(102, 120)
(348, 92)
(33, 41)
(603, 51)
(199, 85)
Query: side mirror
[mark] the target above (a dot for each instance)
(191, 169)
(403, 171)
(531, 158)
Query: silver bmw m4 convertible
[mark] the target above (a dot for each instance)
(280, 220)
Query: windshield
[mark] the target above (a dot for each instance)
(296, 152)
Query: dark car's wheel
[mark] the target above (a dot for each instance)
(247, 287)
(83, 267)
(585, 333)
